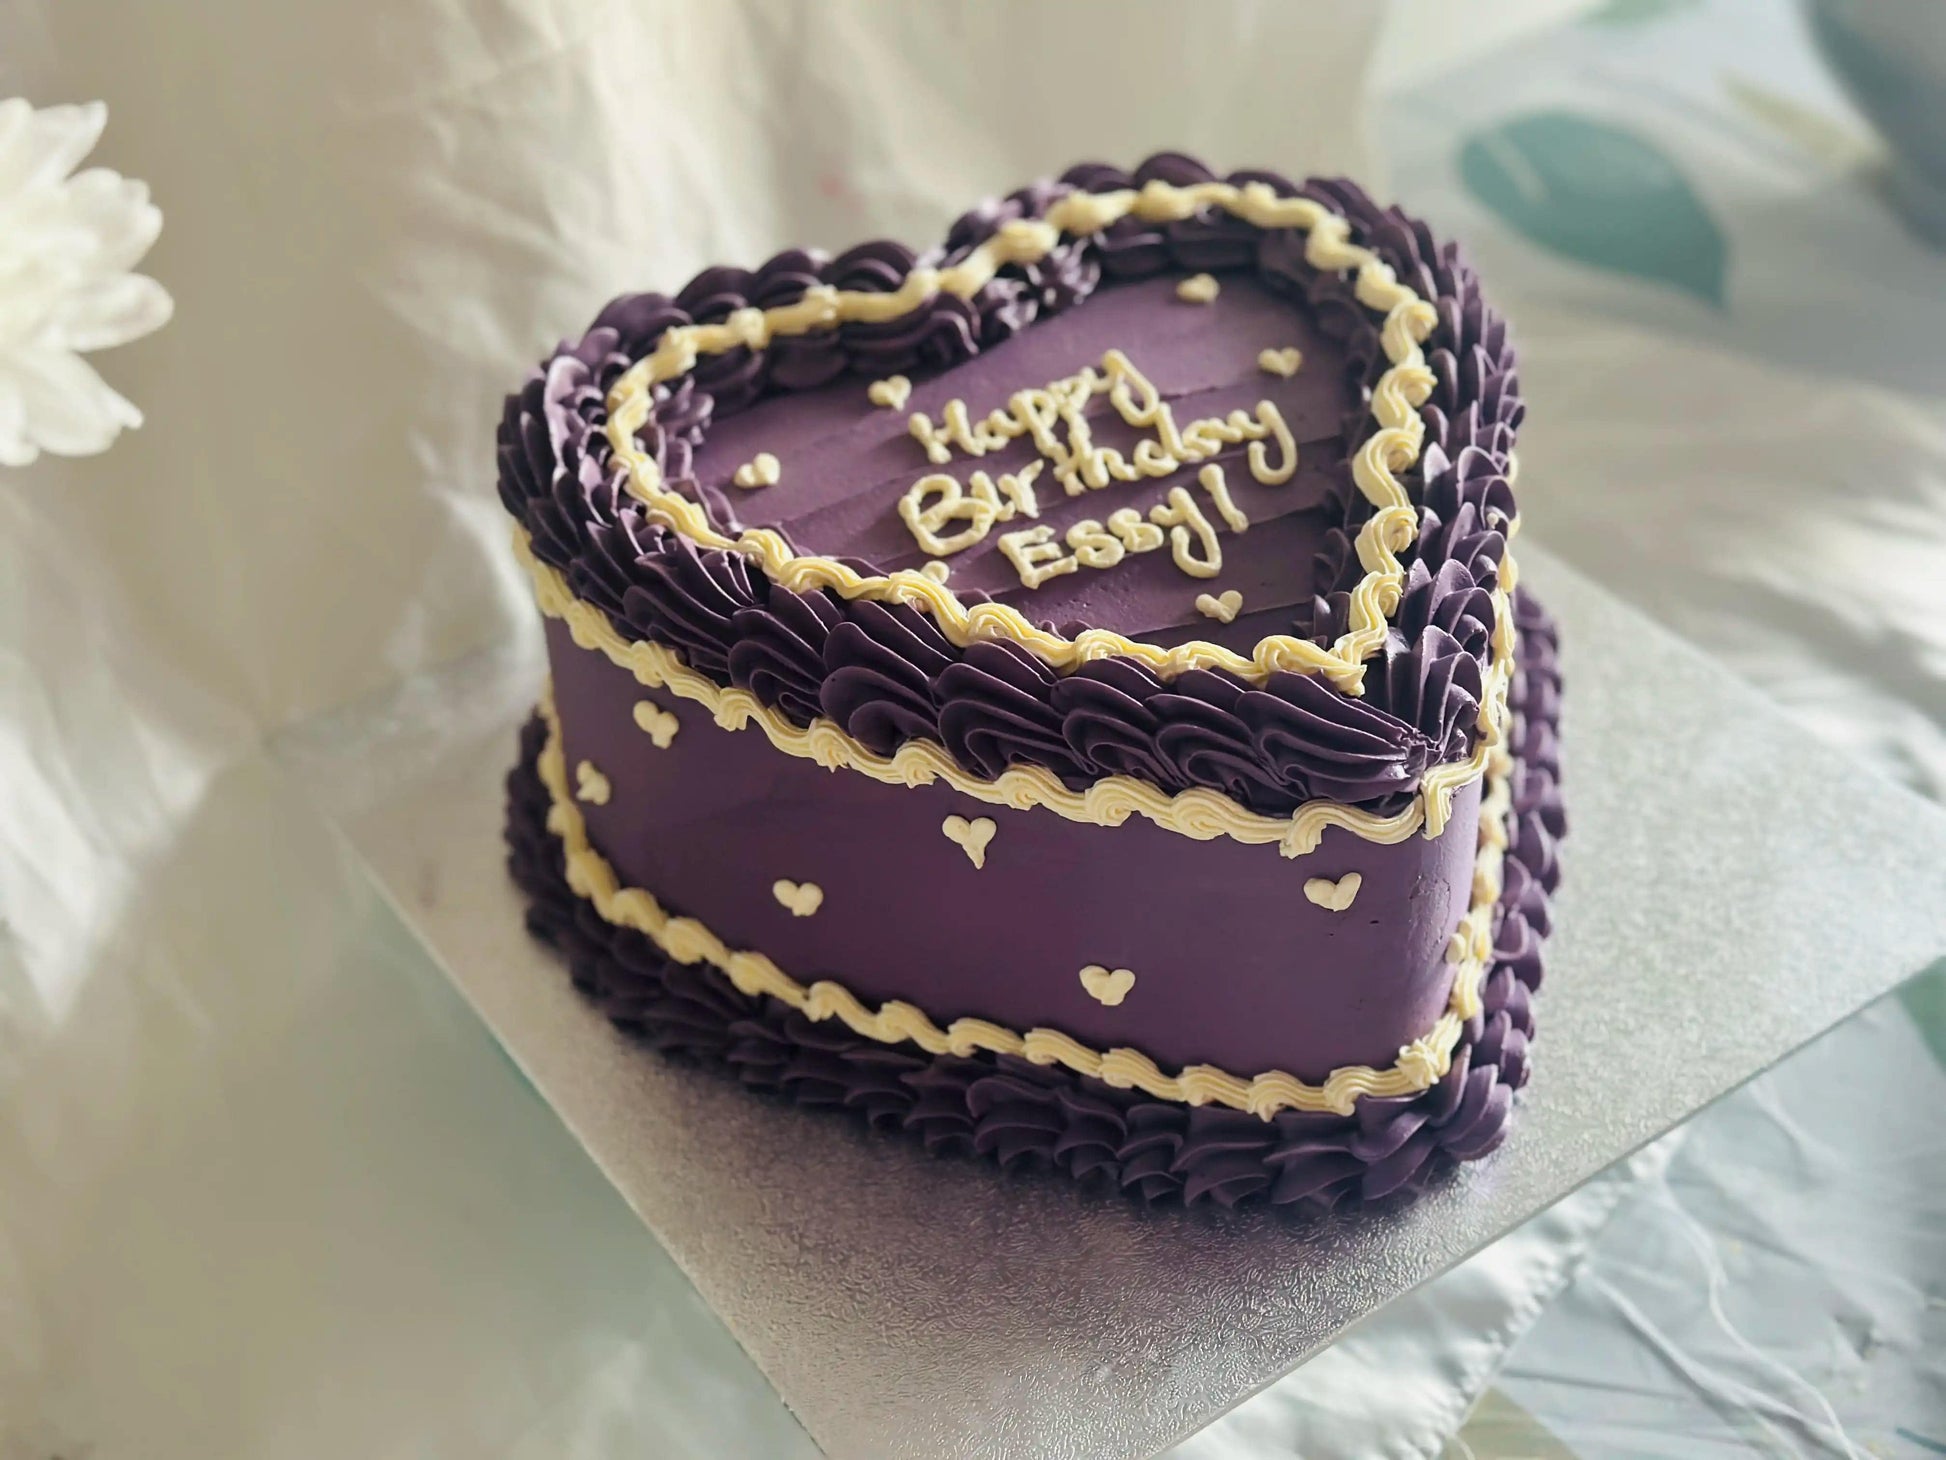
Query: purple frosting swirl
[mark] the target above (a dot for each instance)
(886, 674)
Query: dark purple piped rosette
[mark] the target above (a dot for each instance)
(885, 673)
(1027, 1115)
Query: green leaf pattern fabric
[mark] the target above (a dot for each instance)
(1599, 194)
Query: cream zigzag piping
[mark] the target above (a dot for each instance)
(1392, 448)
(1421, 1064)
(1198, 813)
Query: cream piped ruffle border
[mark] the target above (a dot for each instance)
(1393, 448)
(1420, 1065)
(1197, 813)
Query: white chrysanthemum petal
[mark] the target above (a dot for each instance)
(39, 148)
(67, 245)
(112, 311)
(117, 212)
(18, 153)
(15, 448)
(71, 411)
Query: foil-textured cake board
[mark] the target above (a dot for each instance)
(1732, 889)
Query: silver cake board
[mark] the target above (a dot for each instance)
(1732, 889)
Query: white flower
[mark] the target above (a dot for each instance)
(66, 247)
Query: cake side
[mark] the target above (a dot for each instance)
(1018, 1112)
(1236, 957)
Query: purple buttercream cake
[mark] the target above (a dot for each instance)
(1064, 694)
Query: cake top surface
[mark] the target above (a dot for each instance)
(848, 458)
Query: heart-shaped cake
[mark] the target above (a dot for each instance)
(1064, 693)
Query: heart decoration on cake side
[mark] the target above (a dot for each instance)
(1283, 362)
(659, 724)
(1105, 985)
(802, 898)
(590, 785)
(970, 837)
(892, 392)
(1334, 896)
(762, 470)
(1223, 607)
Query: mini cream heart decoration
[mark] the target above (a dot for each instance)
(1109, 986)
(590, 785)
(762, 470)
(970, 837)
(802, 898)
(1283, 362)
(659, 724)
(1333, 896)
(1198, 289)
(1224, 607)
(892, 392)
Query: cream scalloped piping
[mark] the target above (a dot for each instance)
(1394, 447)
(1199, 813)
(1420, 1065)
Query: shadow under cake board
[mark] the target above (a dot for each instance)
(1731, 890)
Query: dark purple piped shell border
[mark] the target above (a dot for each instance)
(886, 675)
(1022, 1114)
